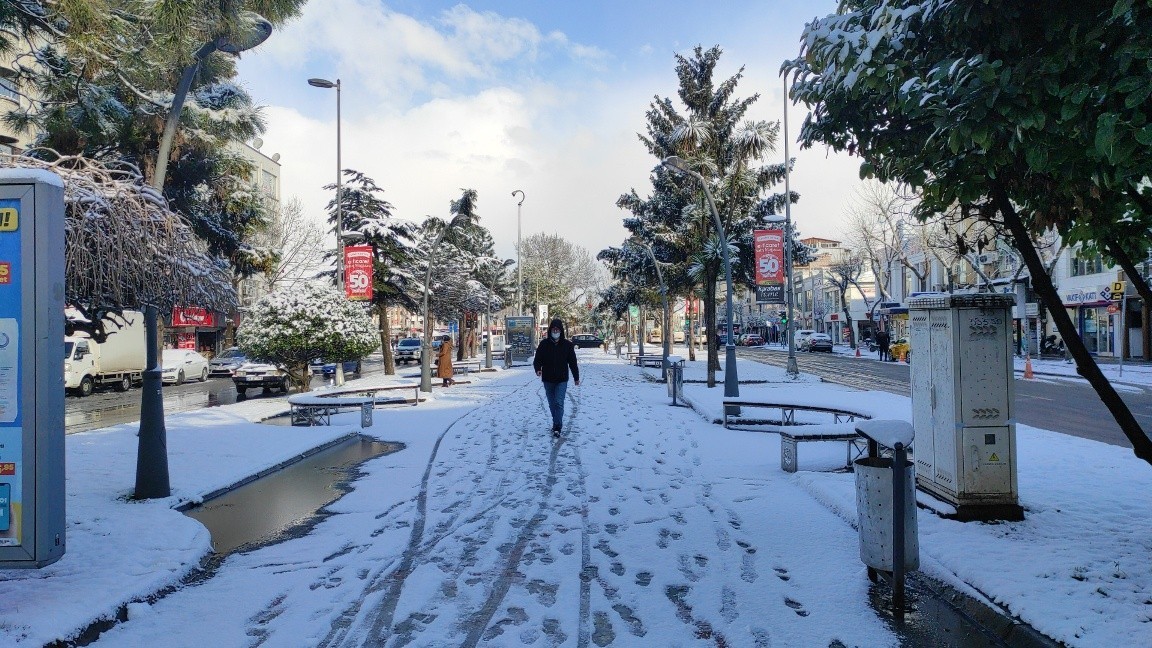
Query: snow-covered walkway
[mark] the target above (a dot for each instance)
(644, 525)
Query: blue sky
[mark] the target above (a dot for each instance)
(546, 97)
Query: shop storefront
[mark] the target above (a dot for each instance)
(198, 329)
(1095, 318)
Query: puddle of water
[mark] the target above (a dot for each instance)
(941, 617)
(286, 503)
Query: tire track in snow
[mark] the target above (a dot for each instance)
(392, 581)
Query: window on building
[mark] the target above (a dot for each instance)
(1086, 264)
(268, 183)
(8, 87)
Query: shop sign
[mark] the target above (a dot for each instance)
(192, 317)
(186, 341)
(1086, 296)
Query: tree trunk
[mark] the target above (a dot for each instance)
(386, 340)
(1085, 365)
(301, 376)
(691, 334)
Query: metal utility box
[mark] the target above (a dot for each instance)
(31, 368)
(962, 402)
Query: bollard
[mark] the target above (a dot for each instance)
(365, 415)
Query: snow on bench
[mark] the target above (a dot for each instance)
(317, 408)
(842, 428)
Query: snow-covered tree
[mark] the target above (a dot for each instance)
(290, 328)
(366, 217)
(124, 248)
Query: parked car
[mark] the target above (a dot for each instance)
(179, 365)
(408, 350)
(227, 362)
(260, 374)
(751, 339)
(819, 342)
(801, 338)
(328, 369)
(678, 337)
(587, 341)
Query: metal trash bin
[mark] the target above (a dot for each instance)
(676, 381)
(874, 510)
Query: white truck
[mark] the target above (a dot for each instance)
(118, 361)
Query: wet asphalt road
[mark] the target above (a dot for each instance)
(1066, 405)
(108, 407)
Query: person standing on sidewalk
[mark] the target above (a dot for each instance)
(882, 342)
(554, 357)
(444, 362)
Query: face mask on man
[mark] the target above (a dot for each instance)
(555, 335)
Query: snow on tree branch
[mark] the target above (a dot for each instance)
(123, 247)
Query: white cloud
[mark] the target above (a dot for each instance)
(477, 100)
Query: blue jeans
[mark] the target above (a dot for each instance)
(555, 394)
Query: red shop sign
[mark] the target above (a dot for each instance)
(193, 317)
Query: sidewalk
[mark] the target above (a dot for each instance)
(646, 526)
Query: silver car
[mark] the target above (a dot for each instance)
(408, 350)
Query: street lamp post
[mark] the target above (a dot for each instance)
(731, 383)
(667, 338)
(793, 369)
(152, 478)
(324, 83)
(519, 272)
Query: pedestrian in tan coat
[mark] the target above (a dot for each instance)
(444, 362)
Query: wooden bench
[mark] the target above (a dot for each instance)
(317, 408)
(793, 433)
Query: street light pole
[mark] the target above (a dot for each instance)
(667, 338)
(731, 382)
(152, 478)
(324, 83)
(519, 272)
(793, 369)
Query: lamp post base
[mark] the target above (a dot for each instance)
(793, 368)
(731, 380)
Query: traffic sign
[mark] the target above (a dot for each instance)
(1117, 290)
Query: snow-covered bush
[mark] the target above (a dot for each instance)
(290, 328)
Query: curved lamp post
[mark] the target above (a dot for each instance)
(325, 83)
(731, 382)
(519, 272)
(152, 447)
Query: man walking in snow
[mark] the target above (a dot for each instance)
(554, 357)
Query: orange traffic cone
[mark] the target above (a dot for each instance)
(1028, 367)
(857, 351)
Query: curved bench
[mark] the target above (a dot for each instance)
(792, 433)
(317, 408)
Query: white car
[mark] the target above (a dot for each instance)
(182, 364)
(801, 338)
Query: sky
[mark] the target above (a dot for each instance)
(658, 528)
(545, 97)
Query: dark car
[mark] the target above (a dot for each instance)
(328, 369)
(819, 342)
(587, 341)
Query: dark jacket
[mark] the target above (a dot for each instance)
(555, 357)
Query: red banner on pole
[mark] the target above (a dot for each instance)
(358, 272)
(769, 250)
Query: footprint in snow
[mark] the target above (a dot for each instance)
(796, 606)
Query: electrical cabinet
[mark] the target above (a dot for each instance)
(962, 401)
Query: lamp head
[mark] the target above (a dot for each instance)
(675, 162)
(321, 83)
(256, 31)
